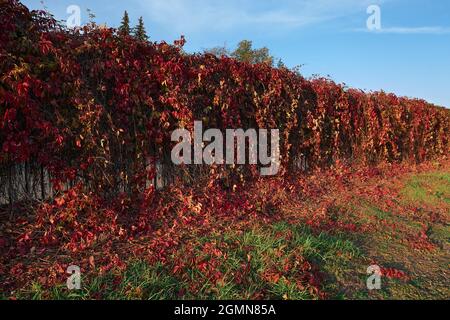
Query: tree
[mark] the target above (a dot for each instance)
(262, 56)
(139, 31)
(245, 53)
(125, 25)
(218, 51)
(91, 16)
(281, 65)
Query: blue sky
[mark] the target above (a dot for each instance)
(410, 56)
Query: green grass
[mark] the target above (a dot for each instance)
(340, 259)
(429, 188)
(440, 234)
(139, 281)
(329, 252)
(266, 246)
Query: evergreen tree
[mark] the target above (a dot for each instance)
(139, 31)
(125, 25)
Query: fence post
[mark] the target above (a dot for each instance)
(27, 182)
(10, 191)
(42, 183)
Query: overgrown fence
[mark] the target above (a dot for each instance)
(97, 108)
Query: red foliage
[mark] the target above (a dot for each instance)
(96, 109)
(86, 101)
(392, 273)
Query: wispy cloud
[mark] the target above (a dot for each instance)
(213, 15)
(416, 30)
(408, 30)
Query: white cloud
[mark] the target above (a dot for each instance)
(213, 15)
(408, 30)
(417, 30)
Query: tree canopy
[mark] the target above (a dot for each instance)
(125, 25)
(244, 52)
(139, 31)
